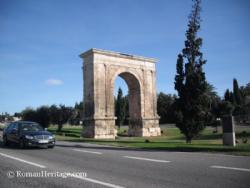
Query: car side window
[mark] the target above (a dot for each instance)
(15, 126)
(9, 127)
(19, 125)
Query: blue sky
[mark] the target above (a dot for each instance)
(40, 42)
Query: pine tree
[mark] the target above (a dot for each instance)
(190, 81)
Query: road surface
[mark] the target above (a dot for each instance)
(101, 166)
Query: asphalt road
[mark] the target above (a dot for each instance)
(119, 167)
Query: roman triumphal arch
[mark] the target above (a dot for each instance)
(100, 69)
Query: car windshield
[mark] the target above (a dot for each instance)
(31, 127)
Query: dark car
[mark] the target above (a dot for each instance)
(26, 134)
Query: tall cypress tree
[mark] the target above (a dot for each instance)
(236, 93)
(120, 108)
(229, 96)
(190, 81)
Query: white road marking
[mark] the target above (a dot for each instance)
(87, 151)
(98, 182)
(230, 168)
(79, 177)
(21, 160)
(147, 159)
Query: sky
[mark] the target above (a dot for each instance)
(40, 43)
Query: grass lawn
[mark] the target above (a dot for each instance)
(171, 140)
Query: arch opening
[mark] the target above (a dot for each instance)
(133, 94)
(133, 97)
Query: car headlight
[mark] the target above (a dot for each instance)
(29, 137)
(52, 136)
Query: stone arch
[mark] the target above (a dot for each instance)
(101, 68)
(134, 91)
(134, 94)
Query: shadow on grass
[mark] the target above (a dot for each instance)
(209, 137)
(65, 131)
(243, 134)
(70, 133)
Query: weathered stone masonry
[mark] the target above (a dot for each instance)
(100, 69)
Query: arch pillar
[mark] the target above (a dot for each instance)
(100, 68)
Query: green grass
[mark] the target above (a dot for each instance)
(171, 140)
(67, 131)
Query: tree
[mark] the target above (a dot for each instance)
(245, 90)
(236, 93)
(214, 105)
(242, 102)
(120, 108)
(60, 115)
(18, 114)
(79, 109)
(43, 116)
(226, 108)
(211, 95)
(190, 81)
(54, 113)
(227, 95)
(165, 107)
(238, 99)
(126, 100)
(210, 92)
(6, 117)
(77, 114)
(29, 114)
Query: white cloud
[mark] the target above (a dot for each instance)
(53, 82)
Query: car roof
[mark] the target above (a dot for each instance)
(26, 122)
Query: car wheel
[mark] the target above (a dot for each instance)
(22, 144)
(5, 141)
(51, 147)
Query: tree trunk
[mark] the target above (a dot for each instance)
(59, 127)
(188, 139)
